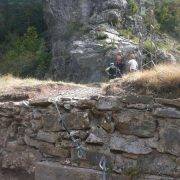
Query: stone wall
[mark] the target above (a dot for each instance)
(139, 137)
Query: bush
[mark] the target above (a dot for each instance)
(168, 15)
(101, 36)
(149, 46)
(133, 7)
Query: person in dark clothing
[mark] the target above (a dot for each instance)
(112, 71)
(119, 64)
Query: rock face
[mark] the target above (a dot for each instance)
(84, 37)
(136, 143)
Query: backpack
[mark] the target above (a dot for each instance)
(112, 71)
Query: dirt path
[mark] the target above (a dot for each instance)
(80, 93)
(50, 90)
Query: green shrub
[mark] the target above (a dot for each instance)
(149, 46)
(26, 56)
(101, 35)
(168, 16)
(128, 33)
(133, 7)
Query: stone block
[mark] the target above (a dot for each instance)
(48, 148)
(79, 134)
(154, 177)
(93, 139)
(125, 166)
(135, 122)
(169, 102)
(55, 171)
(167, 113)
(109, 103)
(157, 164)
(169, 136)
(47, 136)
(137, 99)
(40, 102)
(74, 120)
(129, 144)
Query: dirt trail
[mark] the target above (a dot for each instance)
(50, 90)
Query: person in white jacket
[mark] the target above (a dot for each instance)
(133, 65)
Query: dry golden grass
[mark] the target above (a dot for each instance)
(10, 83)
(161, 79)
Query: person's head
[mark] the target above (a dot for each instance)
(131, 56)
(118, 57)
(111, 64)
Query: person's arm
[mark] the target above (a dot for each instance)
(107, 71)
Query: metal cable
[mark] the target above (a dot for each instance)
(103, 166)
(79, 147)
(76, 143)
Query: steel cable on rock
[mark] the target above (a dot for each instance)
(78, 146)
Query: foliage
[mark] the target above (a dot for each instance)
(168, 16)
(101, 35)
(23, 51)
(26, 56)
(17, 15)
(149, 46)
(128, 33)
(133, 7)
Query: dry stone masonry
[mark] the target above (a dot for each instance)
(139, 136)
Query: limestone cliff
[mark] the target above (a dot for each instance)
(84, 37)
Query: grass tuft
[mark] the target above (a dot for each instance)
(161, 80)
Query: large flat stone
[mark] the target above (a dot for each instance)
(48, 148)
(157, 164)
(93, 139)
(153, 177)
(137, 99)
(47, 136)
(135, 122)
(169, 102)
(109, 103)
(167, 113)
(74, 120)
(169, 136)
(55, 171)
(129, 144)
